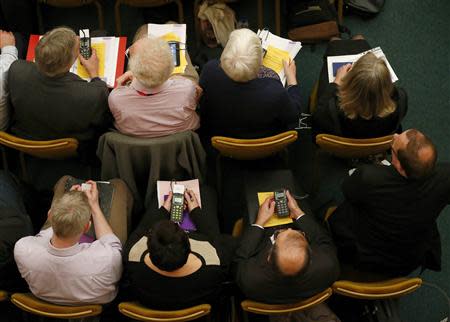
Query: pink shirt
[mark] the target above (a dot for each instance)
(81, 274)
(163, 110)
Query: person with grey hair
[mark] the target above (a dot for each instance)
(62, 269)
(238, 101)
(155, 103)
(49, 102)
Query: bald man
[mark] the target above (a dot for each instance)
(285, 265)
(387, 223)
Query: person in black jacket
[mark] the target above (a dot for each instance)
(285, 265)
(167, 268)
(14, 224)
(387, 223)
(362, 102)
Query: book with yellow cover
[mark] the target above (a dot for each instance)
(274, 220)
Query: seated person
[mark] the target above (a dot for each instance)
(285, 265)
(155, 103)
(60, 269)
(362, 102)
(236, 102)
(8, 56)
(387, 222)
(49, 102)
(14, 224)
(167, 268)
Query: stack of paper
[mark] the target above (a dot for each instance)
(172, 33)
(334, 62)
(277, 49)
(107, 49)
(275, 220)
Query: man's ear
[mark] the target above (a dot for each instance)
(49, 214)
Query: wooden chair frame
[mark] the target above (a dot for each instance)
(139, 312)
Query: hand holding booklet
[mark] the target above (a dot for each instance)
(276, 49)
(335, 62)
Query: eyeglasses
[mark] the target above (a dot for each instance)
(274, 237)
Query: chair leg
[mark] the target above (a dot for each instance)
(180, 11)
(23, 165)
(219, 175)
(101, 21)
(117, 15)
(4, 159)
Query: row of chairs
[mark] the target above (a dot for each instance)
(157, 3)
(388, 289)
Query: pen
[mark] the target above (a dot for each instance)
(105, 182)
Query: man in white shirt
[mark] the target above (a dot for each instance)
(60, 269)
(8, 56)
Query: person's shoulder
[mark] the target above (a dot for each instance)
(20, 66)
(27, 244)
(375, 172)
(212, 64)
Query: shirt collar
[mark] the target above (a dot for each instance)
(63, 252)
(140, 88)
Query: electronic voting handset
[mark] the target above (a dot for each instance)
(85, 43)
(281, 204)
(175, 50)
(176, 210)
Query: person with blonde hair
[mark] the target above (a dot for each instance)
(362, 102)
(154, 103)
(59, 265)
(243, 100)
(49, 102)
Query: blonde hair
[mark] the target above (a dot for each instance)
(70, 214)
(242, 56)
(152, 62)
(367, 88)
(56, 52)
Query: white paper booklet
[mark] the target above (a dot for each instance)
(276, 49)
(163, 188)
(107, 49)
(172, 33)
(334, 62)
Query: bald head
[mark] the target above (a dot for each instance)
(290, 253)
(414, 154)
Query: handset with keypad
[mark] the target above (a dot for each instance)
(176, 209)
(281, 203)
(85, 44)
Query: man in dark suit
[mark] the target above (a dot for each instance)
(49, 102)
(387, 223)
(285, 265)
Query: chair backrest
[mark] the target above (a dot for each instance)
(52, 149)
(144, 4)
(391, 288)
(353, 148)
(70, 4)
(139, 312)
(253, 149)
(3, 295)
(274, 309)
(29, 303)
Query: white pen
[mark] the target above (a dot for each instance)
(106, 182)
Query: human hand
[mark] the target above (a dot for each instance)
(125, 78)
(341, 72)
(266, 211)
(294, 210)
(7, 39)
(90, 64)
(290, 70)
(168, 202)
(198, 93)
(191, 199)
(92, 195)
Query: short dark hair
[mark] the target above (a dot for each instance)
(168, 245)
(415, 167)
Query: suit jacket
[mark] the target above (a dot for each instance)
(45, 108)
(388, 223)
(258, 280)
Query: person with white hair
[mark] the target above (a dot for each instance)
(155, 103)
(237, 101)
